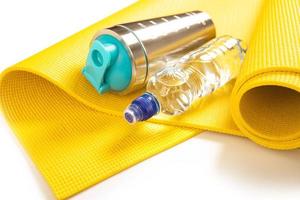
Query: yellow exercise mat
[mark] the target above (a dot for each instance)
(78, 138)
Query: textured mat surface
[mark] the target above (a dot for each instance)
(78, 138)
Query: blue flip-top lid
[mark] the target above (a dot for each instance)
(108, 66)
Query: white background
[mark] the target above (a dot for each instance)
(209, 166)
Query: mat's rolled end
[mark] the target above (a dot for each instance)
(266, 98)
(269, 114)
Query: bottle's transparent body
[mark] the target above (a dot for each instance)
(195, 75)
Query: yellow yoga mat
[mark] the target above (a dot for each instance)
(78, 138)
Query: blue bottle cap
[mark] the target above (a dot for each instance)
(142, 108)
(108, 65)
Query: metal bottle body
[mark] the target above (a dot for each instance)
(153, 43)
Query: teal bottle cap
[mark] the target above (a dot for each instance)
(108, 66)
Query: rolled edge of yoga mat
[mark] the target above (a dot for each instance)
(266, 100)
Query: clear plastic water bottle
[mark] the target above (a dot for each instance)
(197, 74)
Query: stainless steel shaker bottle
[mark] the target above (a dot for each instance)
(123, 57)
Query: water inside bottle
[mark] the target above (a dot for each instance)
(197, 74)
